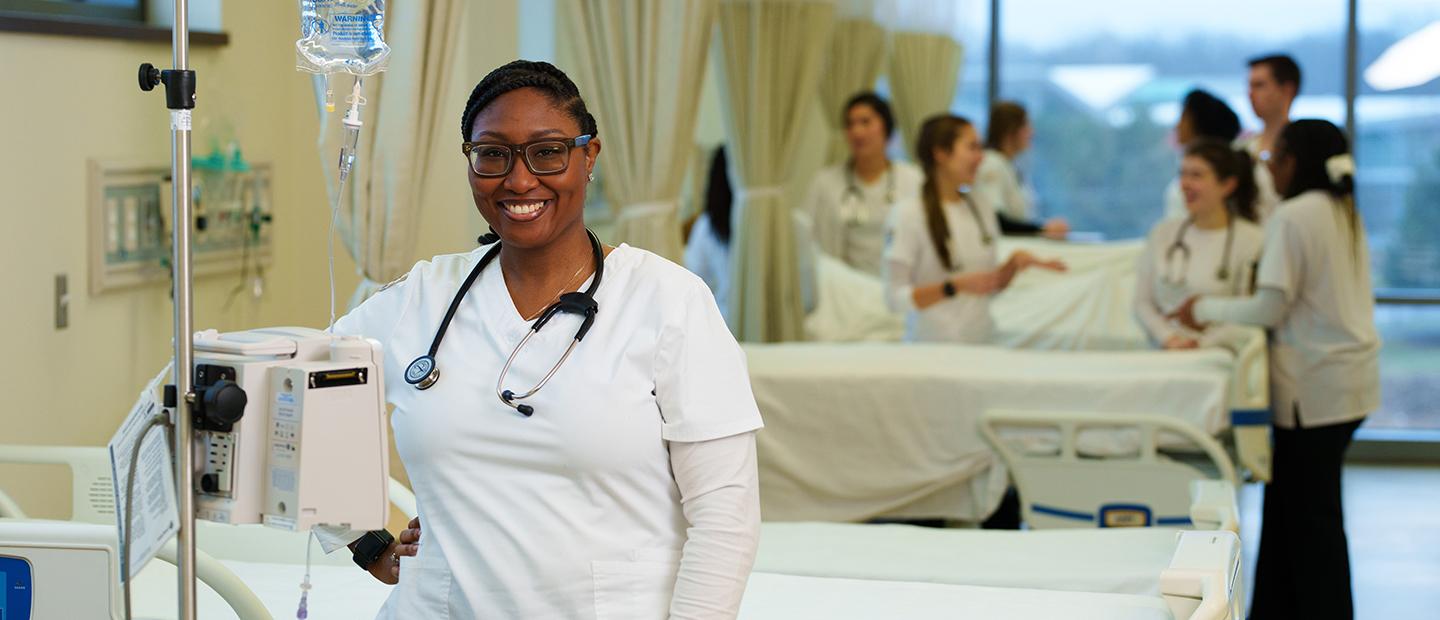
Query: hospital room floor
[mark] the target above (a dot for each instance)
(1392, 518)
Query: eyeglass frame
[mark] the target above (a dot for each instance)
(517, 151)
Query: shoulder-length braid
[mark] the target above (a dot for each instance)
(937, 133)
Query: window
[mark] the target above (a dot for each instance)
(1397, 152)
(1103, 82)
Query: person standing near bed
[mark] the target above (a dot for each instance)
(941, 265)
(1211, 250)
(1315, 292)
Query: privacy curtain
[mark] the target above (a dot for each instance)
(640, 65)
(852, 64)
(924, 69)
(771, 54)
(380, 214)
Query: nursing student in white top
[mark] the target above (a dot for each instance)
(1315, 292)
(1211, 250)
(1009, 135)
(601, 467)
(848, 203)
(941, 264)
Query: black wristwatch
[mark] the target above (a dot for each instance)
(948, 288)
(370, 547)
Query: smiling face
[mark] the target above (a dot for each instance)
(962, 159)
(525, 209)
(1204, 191)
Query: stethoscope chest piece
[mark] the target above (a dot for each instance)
(422, 373)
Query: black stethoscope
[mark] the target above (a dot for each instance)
(852, 188)
(1179, 246)
(423, 373)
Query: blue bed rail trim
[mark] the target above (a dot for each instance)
(1062, 513)
(1074, 515)
(1249, 417)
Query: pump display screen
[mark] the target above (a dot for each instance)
(15, 577)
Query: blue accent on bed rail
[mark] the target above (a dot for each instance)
(1062, 513)
(1249, 417)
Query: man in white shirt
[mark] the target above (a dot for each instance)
(1274, 84)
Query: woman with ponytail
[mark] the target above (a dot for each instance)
(1211, 250)
(940, 263)
(1315, 293)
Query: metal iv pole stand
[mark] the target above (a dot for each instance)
(180, 99)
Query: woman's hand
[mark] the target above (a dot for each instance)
(1055, 228)
(1185, 314)
(1023, 260)
(387, 567)
(1181, 343)
(983, 282)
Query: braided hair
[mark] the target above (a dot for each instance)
(542, 76)
(518, 74)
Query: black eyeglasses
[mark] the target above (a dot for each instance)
(494, 159)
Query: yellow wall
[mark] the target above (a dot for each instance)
(73, 99)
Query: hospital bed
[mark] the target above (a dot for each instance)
(255, 574)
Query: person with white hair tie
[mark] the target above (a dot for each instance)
(1314, 291)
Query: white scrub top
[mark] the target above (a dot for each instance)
(911, 260)
(1266, 196)
(848, 216)
(1325, 357)
(574, 512)
(999, 181)
(708, 257)
(1165, 278)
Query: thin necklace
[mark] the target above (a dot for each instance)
(557, 294)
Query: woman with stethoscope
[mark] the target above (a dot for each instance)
(1315, 293)
(849, 202)
(1211, 250)
(576, 420)
(941, 265)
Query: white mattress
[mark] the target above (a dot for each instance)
(1117, 561)
(855, 431)
(790, 597)
(348, 594)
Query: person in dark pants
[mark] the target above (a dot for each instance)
(1313, 289)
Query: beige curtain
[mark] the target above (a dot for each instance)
(641, 64)
(924, 69)
(852, 64)
(380, 214)
(771, 52)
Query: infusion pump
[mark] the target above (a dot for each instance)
(290, 429)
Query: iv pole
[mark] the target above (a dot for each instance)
(180, 99)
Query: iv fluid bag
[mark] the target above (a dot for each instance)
(342, 36)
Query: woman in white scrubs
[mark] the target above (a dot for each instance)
(1212, 250)
(1315, 292)
(1006, 138)
(707, 249)
(940, 260)
(848, 203)
(626, 486)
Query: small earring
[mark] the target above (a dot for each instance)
(591, 177)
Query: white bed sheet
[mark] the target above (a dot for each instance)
(1116, 561)
(348, 594)
(1086, 308)
(791, 597)
(856, 431)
